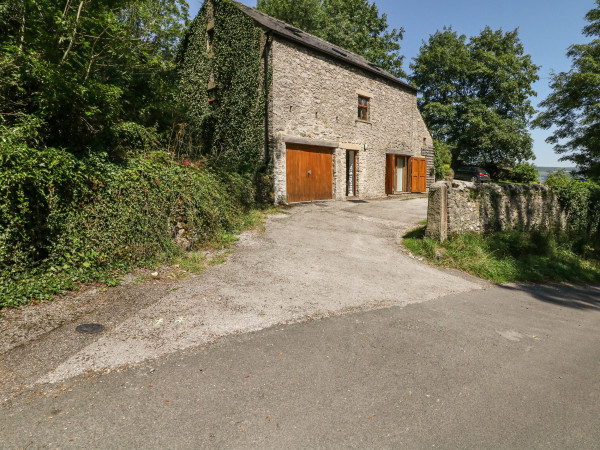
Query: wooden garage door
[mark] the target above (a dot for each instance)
(309, 173)
(418, 171)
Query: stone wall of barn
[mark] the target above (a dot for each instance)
(314, 101)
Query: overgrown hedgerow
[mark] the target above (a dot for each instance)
(580, 199)
(65, 220)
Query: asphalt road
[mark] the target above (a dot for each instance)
(504, 367)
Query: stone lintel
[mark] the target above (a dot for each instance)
(309, 141)
(364, 93)
(349, 146)
(399, 152)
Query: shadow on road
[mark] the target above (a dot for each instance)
(574, 296)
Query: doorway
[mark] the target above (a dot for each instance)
(396, 176)
(405, 174)
(400, 174)
(351, 173)
(309, 173)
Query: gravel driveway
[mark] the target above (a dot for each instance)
(313, 260)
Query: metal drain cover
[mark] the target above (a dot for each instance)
(90, 328)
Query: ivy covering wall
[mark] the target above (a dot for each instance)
(230, 131)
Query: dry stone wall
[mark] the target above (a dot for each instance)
(463, 207)
(314, 97)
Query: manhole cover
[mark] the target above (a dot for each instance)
(90, 328)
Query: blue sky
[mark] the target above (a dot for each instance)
(546, 28)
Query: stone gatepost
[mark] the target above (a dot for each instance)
(437, 212)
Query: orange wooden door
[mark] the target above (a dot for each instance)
(309, 173)
(418, 174)
(423, 176)
(390, 166)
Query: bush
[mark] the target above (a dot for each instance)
(442, 158)
(65, 220)
(36, 187)
(523, 173)
(580, 200)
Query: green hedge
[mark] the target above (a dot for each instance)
(65, 220)
(580, 200)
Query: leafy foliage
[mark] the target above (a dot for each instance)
(442, 159)
(307, 15)
(580, 200)
(525, 173)
(475, 96)
(573, 107)
(35, 187)
(351, 24)
(85, 67)
(68, 220)
(230, 131)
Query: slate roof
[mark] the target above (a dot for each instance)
(308, 40)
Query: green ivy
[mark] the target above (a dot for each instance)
(64, 221)
(229, 131)
(580, 200)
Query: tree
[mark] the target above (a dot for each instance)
(524, 173)
(474, 96)
(351, 24)
(94, 71)
(573, 107)
(308, 15)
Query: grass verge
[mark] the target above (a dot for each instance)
(507, 256)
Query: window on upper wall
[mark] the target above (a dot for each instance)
(209, 42)
(363, 108)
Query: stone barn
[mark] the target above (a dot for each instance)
(335, 125)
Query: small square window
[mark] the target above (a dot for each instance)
(363, 108)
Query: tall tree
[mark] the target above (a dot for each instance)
(91, 70)
(475, 95)
(573, 107)
(308, 15)
(355, 25)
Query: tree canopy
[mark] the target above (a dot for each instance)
(474, 95)
(93, 72)
(573, 107)
(355, 25)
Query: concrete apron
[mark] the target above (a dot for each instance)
(313, 260)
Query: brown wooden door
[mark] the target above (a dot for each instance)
(309, 173)
(390, 166)
(418, 174)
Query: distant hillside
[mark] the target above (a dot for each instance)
(545, 171)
